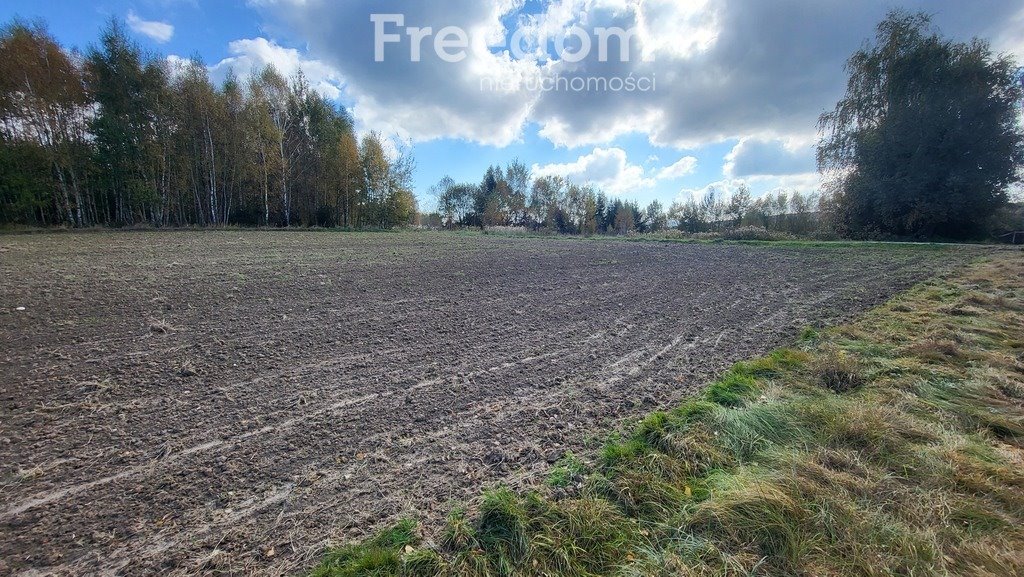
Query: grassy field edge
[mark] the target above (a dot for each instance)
(655, 238)
(888, 446)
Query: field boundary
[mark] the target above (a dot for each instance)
(17, 231)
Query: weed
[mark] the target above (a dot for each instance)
(423, 563)
(773, 365)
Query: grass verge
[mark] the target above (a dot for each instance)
(671, 237)
(890, 446)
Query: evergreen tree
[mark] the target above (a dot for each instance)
(600, 212)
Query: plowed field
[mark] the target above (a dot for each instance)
(195, 402)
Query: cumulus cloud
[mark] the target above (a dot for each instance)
(677, 29)
(762, 68)
(607, 168)
(426, 99)
(721, 189)
(685, 166)
(769, 157)
(769, 164)
(806, 183)
(252, 54)
(724, 69)
(153, 29)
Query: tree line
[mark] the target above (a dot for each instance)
(117, 137)
(790, 212)
(926, 143)
(511, 197)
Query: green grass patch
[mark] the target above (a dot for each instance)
(381, 555)
(890, 446)
(733, 390)
(568, 470)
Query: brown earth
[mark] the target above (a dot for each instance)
(229, 402)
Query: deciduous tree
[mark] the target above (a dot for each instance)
(927, 139)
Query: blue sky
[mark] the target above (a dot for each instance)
(739, 82)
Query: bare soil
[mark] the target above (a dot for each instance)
(229, 402)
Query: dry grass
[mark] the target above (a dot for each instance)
(838, 370)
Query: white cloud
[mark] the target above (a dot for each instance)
(807, 183)
(721, 189)
(725, 69)
(768, 165)
(749, 68)
(769, 157)
(422, 100)
(1011, 38)
(677, 29)
(685, 166)
(607, 168)
(252, 54)
(155, 30)
(561, 131)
